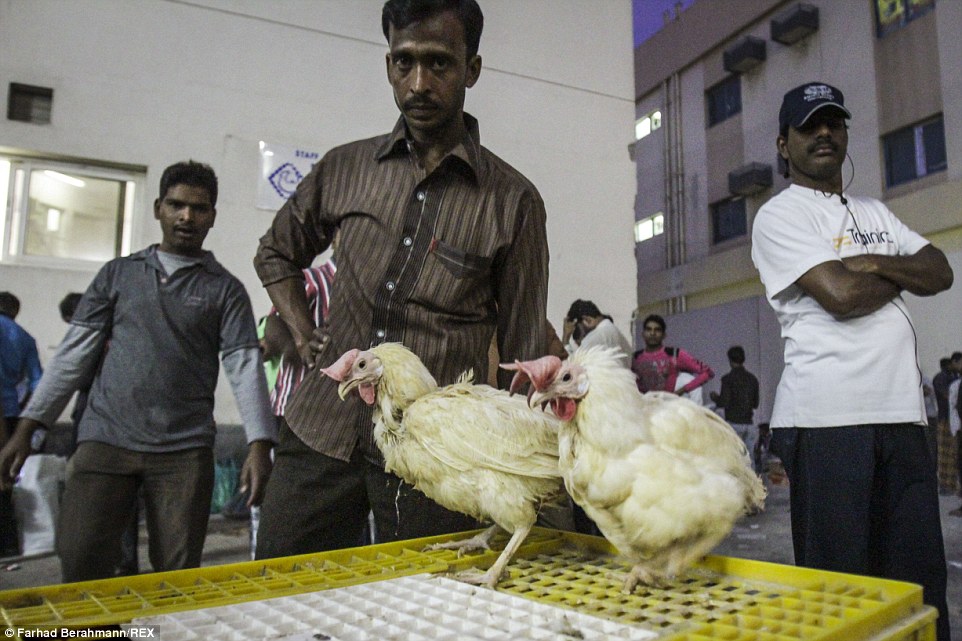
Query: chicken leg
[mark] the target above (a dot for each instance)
(493, 575)
(478, 542)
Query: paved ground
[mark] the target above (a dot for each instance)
(765, 537)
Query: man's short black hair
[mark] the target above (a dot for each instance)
(69, 305)
(9, 305)
(736, 354)
(193, 174)
(402, 13)
(957, 356)
(581, 308)
(945, 362)
(654, 318)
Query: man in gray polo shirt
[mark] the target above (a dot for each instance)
(147, 332)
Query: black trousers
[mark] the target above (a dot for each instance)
(865, 500)
(315, 503)
(9, 539)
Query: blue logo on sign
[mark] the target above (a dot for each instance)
(284, 180)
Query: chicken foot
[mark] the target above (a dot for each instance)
(478, 542)
(493, 575)
(641, 574)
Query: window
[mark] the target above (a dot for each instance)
(724, 100)
(27, 103)
(728, 220)
(649, 227)
(895, 14)
(61, 213)
(913, 152)
(647, 124)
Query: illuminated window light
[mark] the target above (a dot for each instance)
(649, 227)
(53, 219)
(648, 124)
(642, 128)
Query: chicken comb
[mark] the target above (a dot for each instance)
(540, 372)
(342, 367)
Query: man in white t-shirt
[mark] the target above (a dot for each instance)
(848, 421)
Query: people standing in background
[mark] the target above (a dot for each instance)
(955, 428)
(273, 338)
(441, 243)
(168, 311)
(849, 419)
(739, 399)
(19, 366)
(586, 326)
(948, 470)
(656, 366)
(932, 416)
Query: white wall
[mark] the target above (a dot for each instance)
(154, 81)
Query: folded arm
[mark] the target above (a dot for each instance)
(924, 273)
(859, 285)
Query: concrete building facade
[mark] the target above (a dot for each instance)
(713, 78)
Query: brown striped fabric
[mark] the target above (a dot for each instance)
(437, 262)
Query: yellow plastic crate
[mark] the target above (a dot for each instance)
(720, 598)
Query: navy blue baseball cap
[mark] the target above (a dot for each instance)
(800, 103)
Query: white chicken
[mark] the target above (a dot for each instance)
(471, 448)
(663, 478)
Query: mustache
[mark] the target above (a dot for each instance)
(822, 143)
(420, 103)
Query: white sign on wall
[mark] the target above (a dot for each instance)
(282, 167)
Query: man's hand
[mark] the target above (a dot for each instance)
(15, 452)
(256, 470)
(568, 328)
(291, 305)
(923, 273)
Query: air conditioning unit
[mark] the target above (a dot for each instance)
(746, 54)
(750, 179)
(795, 24)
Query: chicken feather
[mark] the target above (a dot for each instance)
(470, 448)
(663, 478)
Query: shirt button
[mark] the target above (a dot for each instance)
(390, 285)
(407, 241)
(421, 195)
(379, 333)
(163, 281)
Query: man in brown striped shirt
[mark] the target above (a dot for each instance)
(441, 243)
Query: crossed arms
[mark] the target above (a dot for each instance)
(859, 285)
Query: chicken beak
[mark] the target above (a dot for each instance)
(346, 386)
(536, 398)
